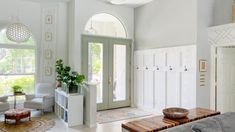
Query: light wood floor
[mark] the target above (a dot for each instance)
(61, 127)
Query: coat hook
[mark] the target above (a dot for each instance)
(185, 68)
(171, 68)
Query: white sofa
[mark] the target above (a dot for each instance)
(42, 99)
(4, 105)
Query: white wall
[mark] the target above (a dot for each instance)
(164, 23)
(83, 10)
(222, 12)
(205, 10)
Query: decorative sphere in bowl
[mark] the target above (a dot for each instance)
(175, 113)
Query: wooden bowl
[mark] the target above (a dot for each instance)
(175, 113)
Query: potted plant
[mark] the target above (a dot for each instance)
(59, 70)
(75, 81)
(17, 89)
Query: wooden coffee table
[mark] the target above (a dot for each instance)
(17, 114)
(158, 123)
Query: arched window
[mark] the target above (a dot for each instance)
(17, 64)
(105, 25)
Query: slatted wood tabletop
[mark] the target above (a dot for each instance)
(158, 123)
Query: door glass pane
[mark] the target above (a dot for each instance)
(119, 72)
(95, 67)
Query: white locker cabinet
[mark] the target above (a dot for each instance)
(165, 77)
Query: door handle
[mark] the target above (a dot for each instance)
(110, 80)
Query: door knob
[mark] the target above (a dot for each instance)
(110, 80)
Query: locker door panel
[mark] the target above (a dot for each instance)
(173, 85)
(160, 60)
(149, 60)
(139, 84)
(173, 77)
(139, 59)
(189, 57)
(173, 57)
(188, 90)
(160, 90)
(148, 88)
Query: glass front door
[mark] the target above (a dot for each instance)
(107, 62)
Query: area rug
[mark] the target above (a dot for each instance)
(120, 114)
(37, 124)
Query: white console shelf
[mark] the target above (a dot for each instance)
(69, 108)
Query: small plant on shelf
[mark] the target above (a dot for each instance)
(17, 89)
(59, 66)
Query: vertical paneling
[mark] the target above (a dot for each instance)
(166, 78)
(160, 80)
(149, 80)
(173, 77)
(188, 80)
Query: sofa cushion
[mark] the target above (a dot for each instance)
(3, 98)
(36, 103)
(4, 106)
(208, 125)
(226, 121)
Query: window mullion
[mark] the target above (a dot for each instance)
(14, 46)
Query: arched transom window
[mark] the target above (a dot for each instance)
(105, 25)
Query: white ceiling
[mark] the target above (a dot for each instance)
(131, 3)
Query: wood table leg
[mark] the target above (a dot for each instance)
(14, 102)
(29, 116)
(17, 120)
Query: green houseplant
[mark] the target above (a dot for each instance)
(17, 89)
(70, 81)
(75, 81)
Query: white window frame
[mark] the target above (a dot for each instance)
(21, 46)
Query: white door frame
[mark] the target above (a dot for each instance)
(213, 97)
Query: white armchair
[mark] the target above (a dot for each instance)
(4, 105)
(42, 99)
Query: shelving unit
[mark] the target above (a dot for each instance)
(69, 108)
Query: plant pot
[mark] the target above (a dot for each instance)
(64, 87)
(73, 89)
(18, 92)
